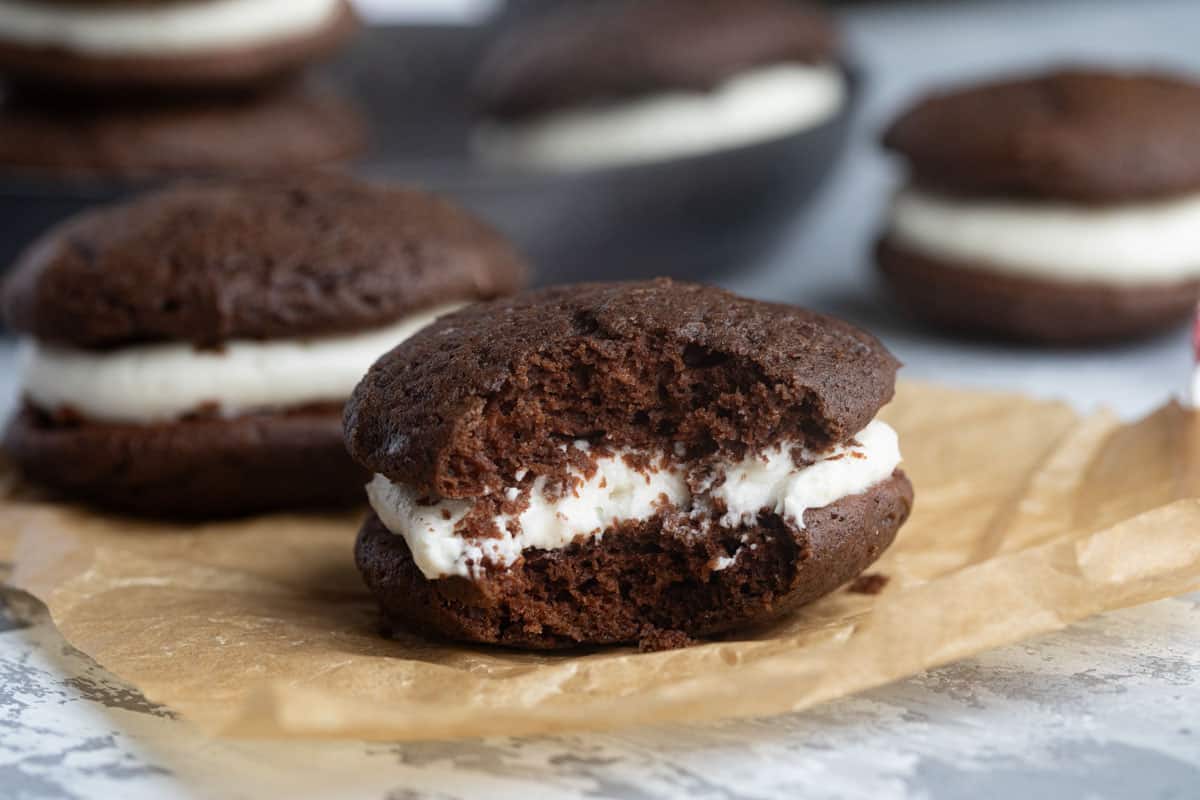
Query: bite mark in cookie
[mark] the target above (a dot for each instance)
(653, 582)
(452, 537)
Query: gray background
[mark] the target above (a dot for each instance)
(1105, 709)
(908, 48)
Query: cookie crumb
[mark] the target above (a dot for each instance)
(870, 583)
(652, 640)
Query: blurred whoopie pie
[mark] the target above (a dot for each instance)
(1062, 207)
(629, 82)
(188, 354)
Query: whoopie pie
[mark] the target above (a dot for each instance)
(627, 462)
(637, 81)
(1061, 207)
(188, 353)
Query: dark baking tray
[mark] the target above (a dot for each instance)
(690, 217)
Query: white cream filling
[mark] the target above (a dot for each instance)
(163, 382)
(161, 29)
(757, 105)
(1148, 242)
(617, 493)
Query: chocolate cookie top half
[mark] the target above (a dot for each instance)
(670, 367)
(592, 55)
(1079, 135)
(273, 258)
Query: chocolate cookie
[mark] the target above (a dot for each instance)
(198, 468)
(301, 125)
(168, 47)
(626, 49)
(299, 255)
(188, 353)
(609, 463)
(1060, 208)
(982, 302)
(1079, 135)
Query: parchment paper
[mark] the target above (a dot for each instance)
(1027, 518)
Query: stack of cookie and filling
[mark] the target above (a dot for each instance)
(1063, 207)
(631, 82)
(188, 354)
(622, 462)
(120, 88)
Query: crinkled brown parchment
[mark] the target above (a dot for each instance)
(1027, 518)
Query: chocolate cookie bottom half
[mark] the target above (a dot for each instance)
(972, 299)
(641, 579)
(193, 468)
(304, 125)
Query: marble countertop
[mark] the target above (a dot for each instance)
(1106, 709)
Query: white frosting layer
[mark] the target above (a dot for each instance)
(617, 493)
(757, 105)
(1149, 242)
(160, 29)
(162, 382)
